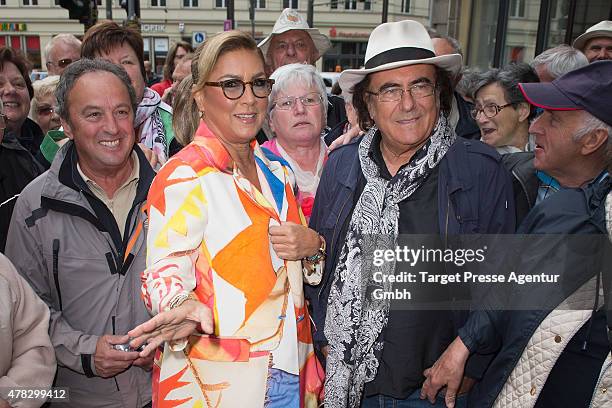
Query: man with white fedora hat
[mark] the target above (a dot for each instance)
(409, 174)
(596, 42)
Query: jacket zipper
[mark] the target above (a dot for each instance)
(446, 225)
(56, 244)
(523, 187)
(333, 241)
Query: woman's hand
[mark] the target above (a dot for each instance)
(175, 324)
(346, 138)
(293, 242)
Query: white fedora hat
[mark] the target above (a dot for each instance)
(292, 20)
(601, 29)
(398, 44)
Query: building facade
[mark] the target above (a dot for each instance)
(493, 32)
(30, 24)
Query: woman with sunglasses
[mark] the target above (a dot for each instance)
(230, 312)
(44, 104)
(43, 111)
(297, 118)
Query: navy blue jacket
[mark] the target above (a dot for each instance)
(474, 196)
(569, 211)
(466, 127)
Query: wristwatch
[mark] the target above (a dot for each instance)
(319, 256)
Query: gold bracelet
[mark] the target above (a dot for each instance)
(319, 256)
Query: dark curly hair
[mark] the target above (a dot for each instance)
(444, 90)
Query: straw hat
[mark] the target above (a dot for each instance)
(601, 29)
(292, 20)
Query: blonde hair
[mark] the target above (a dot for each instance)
(42, 88)
(213, 48)
(186, 117)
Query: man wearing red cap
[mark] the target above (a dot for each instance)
(558, 358)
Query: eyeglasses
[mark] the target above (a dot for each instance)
(393, 94)
(234, 88)
(2, 121)
(311, 99)
(63, 63)
(46, 110)
(490, 110)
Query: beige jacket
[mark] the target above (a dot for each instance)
(601, 395)
(27, 358)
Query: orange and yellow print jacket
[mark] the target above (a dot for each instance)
(208, 235)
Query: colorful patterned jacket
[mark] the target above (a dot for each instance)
(208, 235)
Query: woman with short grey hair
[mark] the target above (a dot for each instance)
(500, 109)
(297, 116)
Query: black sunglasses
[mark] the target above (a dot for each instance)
(63, 63)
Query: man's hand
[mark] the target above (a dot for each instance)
(346, 138)
(293, 242)
(3, 403)
(447, 371)
(110, 362)
(175, 324)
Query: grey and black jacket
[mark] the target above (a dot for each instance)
(67, 245)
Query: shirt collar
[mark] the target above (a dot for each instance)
(134, 175)
(376, 155)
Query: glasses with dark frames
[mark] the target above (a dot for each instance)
(234, 88)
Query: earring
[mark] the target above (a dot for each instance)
(202, 115)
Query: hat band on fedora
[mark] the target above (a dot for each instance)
(398, 54)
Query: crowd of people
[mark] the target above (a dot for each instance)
(205, 239)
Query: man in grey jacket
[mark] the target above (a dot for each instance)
(77, 237)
